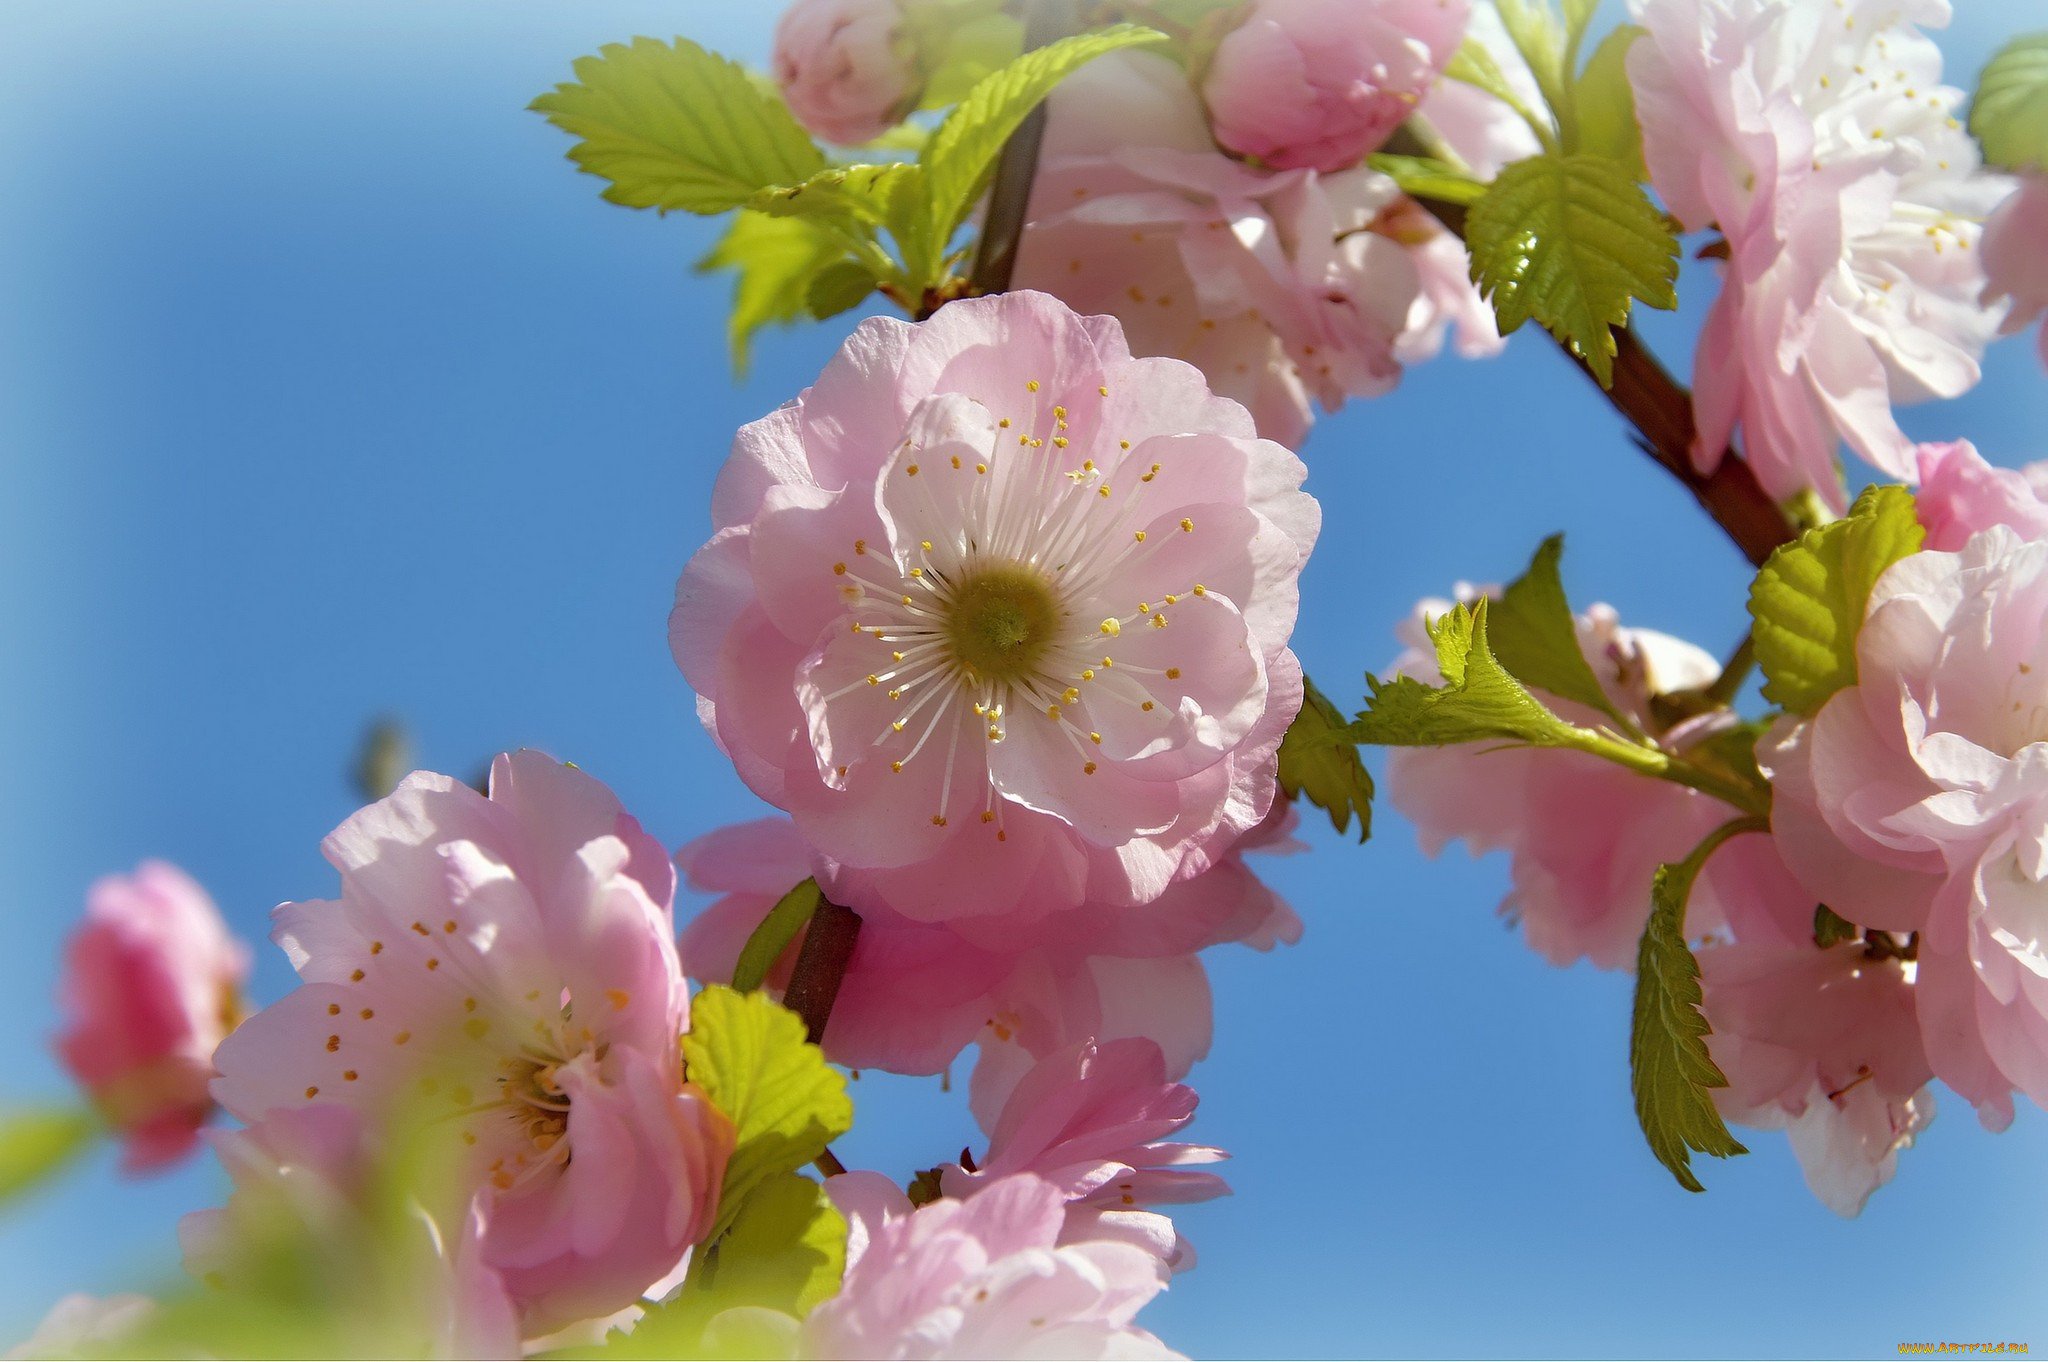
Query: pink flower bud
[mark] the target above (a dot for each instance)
(846, 67)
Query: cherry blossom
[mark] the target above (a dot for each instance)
(985, 1277)
(1961, 494)
(999, 614)
(1916, 801)
(2015, 265)
(1584, 836)
(1821, 142)
(152, 983)
(507, 965)
(846, 68)
(1317, 84)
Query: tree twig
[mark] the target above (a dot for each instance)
(821, 965)
(995, 256)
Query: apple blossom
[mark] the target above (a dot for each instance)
(508, 961)
(152, 982)
(846, 67)
(1317, 84)
(1825, 1045)
(1960, 494)
(1822, 143)
(2015, 261)
(1584, 836)
(999, 614)
(1091, 1119)
(986, 1277)
(1916, 801)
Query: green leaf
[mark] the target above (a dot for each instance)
(1475, 65)
(2010, 113)
(856, 196)
(1606, 105)
(1478, 700)
(840, 287)
(1829, 929)
(1539, 35)
(1670, 1071)
(1570, 240)
(674, 126)
(965, 49)
(774, 935)
(776, 260)
(785, 1102)
(786, 1251)
(1807, 603)
(1319, 762)
(962, 153)
(1536, 637)
(1425, 177)
(37, 1145)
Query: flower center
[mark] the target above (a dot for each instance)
(1000, 621)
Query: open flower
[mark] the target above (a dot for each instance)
(152, 982)
(1825, 148)
(916, 994)
(999, 614)
(1960, 494)
(846, 67)
(987, 1277)
(1916, 800)
(1317, 84)
(1825, 1045)
(509, 963)
(1093, 1120)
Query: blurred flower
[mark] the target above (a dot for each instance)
(86, 1326)
(2016, 255)
(982, 1278)
(1317, 84)
(1000, 615)
(151, 984)
(1822, 143)
(1960, 494)
(510, 961)
(1916, 800)
(846, 67)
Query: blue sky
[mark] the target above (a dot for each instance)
(332, 391)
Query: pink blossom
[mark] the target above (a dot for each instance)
(1281, 287)
(307, 1183)
(1092, 1120)
(1825, 1045)
(915, 994)
(1917, 801)
(512, 960)
(1961, 494)
(86, 1326)
(1317, 84)
(1822, 143)
(846, 67)
(1584, 836)
(152, 982)
(999, 614)
(2015, 258)
(1484, 131)
(987, 1277)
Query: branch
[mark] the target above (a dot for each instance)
(995, 256)
(821, 965)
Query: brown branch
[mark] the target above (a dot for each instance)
(995, 256)
(821, 965)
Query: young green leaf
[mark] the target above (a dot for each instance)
(785, 1102)
(1473, 64)
(962, 153)
(1670, 1071)
(1319, 762)
(1539, 35)
(1606, 105)
(2010, 113)
(674, 126)
(1536, 638)
(37, 1145)
(856, 196)
(1807, 603)
(776, 260)
(966, 47)
(777, 930)
(1570, 241)
(840, 287)
(1425, 177)
(1478, 700)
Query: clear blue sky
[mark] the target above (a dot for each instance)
(331, 390)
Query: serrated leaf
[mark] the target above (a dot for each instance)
(1319, 762)
(775, 259)
(673, 126)
(1807, 604)
(1539, 35)
(840, 287)
(1425, 177)
(1830, 929)
(777, 930)
(785, 1102)
(856, 196)
(963, 152)
(37, 1145)
(1670, 1071)
(1536, 638)
(1606, 105)
(2009, 115)
(1478, 701)
(1570, 241)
